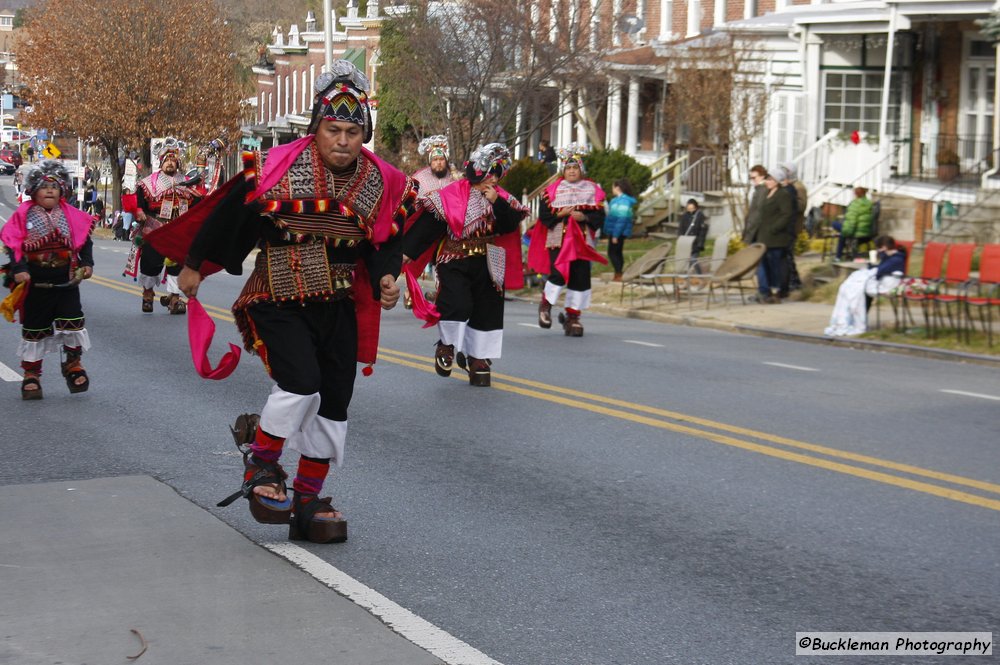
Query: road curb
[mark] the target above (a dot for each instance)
(846, 342)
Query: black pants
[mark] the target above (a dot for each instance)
(151, 263)
(579, 273)
(615, 254)
(467, 293)
(311, 349)
(45, 308)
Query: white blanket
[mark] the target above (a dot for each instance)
(850, 316)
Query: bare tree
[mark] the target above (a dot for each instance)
(129, 71)
(717, 96)
(477, 69)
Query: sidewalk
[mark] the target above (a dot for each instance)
(798, 320)
(85, 563)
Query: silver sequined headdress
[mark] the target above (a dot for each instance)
(434, 146)
(48, 170)
(342, 95)
(492, 158)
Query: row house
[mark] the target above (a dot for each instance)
(287, 69)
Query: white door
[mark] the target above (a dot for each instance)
(975, 125)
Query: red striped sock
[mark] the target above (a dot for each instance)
(572, 312)
(33, 366)
(265, 447)
(311, 474)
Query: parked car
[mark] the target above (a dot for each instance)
(12, 156)
(6, 168)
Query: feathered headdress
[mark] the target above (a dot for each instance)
(492, 158)
(48, 170)
(434, 146)
(572, 155)
(342, 95)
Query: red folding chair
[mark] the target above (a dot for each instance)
(988, 291)
(954, 288)
(916, 289)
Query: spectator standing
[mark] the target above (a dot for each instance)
(774, 231)
(694, 223)
(792, 281)
(547, 155)
(129, 206)
(618, 223)
(757, 175)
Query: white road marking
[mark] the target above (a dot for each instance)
(529, 325)
(7, 374)
(962, 392)
(635, 341)
(798, 367)
(419, 631)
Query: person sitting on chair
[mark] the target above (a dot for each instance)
(857, 223)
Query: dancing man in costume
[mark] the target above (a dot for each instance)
(562, 242)
(327, 216)
(50, 251)
(473, 227)
(162, 197)
(437, 173)
(434, 176)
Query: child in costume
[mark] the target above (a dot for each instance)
(51, 252)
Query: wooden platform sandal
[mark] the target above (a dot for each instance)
(147, 301)
(174, 304)
(256, 472)
(31, 379)
(307, 525)
(73, 371)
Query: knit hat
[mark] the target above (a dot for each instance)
(342, 96)
(492, 158)
(779, 173)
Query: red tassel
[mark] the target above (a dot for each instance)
(367, 370)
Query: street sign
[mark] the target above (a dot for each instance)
(51, 151)
(131, 173)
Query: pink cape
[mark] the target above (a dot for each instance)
(15, 231)
(538, 255)
(201, 329)
(455, 201)
(173, 240)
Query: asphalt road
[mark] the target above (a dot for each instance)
(646, 494)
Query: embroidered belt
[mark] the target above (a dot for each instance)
(57, 259)
(467, 247)
(301, 272)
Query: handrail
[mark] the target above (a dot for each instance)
(666, 169)
(826, 138)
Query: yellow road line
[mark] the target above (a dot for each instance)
(764, 436)
(927, 488)
(535, 388)
(218, 312)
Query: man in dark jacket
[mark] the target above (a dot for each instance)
(694, 223)
(775, 231)
(757, 175)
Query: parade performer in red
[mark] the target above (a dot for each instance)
(327, 216)
(562, 242)
(437, 173)
(472, 227)
(51, 251)
(162, 197)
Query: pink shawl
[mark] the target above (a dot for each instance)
(15, 231)
(281, 157)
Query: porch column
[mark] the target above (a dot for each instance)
(518, 129)
(632, 126)
(581, 128)
(813, 85)
(614, 125)
(884, 143)
(565, 118)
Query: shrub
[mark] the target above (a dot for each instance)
(606, 166)
(525, 174)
